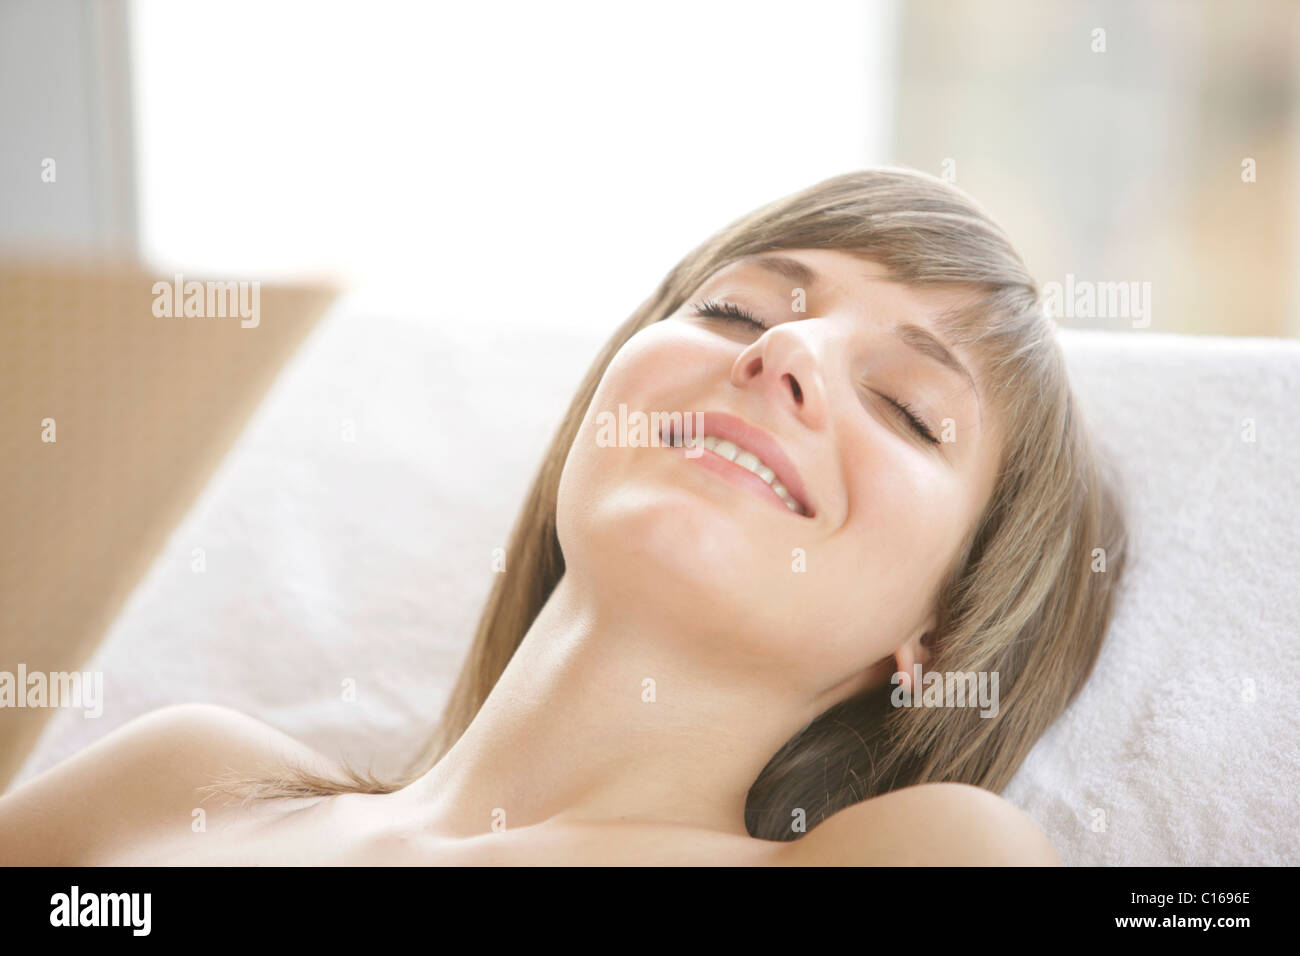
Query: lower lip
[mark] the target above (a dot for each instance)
(738, 476)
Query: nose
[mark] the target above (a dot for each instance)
(784, 364)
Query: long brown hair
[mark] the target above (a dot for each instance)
(1030, 597)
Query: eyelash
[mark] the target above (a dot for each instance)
(711, 308)
(726, 310)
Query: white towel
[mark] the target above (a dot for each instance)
(1184, 747)
(348, 536)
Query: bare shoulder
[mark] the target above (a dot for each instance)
(931, 824)
(142, 774)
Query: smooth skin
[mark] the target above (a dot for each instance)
(679, 651)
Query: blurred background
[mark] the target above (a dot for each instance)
(468, 161)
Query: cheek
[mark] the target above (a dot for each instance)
(906, 518)
(901, 497)
(661, 368)
(603, 496)
(654, 362)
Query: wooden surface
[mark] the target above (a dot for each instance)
(144, 407)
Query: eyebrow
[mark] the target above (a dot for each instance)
(925, 342)
(913, 336)
(785, 267)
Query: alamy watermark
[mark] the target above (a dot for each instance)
(55, 689)
(650, 430)
(75, 908)
(209, 300)
(1085, 299)
(947, 689)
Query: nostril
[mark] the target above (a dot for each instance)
(794, 387)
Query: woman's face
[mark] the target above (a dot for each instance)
(709, 548)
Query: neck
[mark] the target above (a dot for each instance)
(575, 732)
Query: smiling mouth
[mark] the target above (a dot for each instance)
(739, 458)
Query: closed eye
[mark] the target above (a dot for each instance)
(729, 311)
(918, 426)
(713, 309)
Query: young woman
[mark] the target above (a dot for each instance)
(697, 652)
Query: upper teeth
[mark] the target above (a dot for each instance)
(745, 459)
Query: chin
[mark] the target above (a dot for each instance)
(681, 553)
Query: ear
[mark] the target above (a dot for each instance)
(914, 652)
